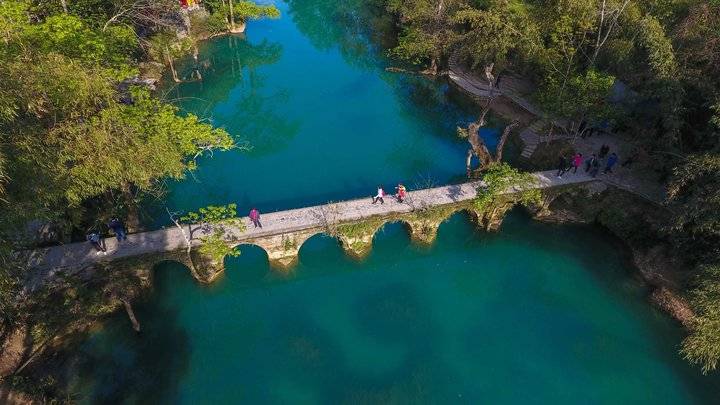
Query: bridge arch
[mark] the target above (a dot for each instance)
(251, 266)
(282, 250)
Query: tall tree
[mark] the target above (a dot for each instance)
(579, 102)
(427, 31)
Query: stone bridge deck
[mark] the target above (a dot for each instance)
(304, 222)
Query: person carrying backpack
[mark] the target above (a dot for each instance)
(95, 240)
(117, 226)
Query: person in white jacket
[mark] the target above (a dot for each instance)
(379, 196)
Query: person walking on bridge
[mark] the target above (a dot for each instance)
(379, 196)
(590, 162)
(117, 226)
(562, 166)
(401, 193)
(255, 217)
(94, 238)
(577, 161)
(612, 159)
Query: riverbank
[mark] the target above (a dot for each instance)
(633, 212)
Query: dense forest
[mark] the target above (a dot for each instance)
(666, 51)
(84, 138)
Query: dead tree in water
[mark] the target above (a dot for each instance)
(131, 315)
(478, 148)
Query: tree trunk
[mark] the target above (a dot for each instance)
(468, 162)
(232, 15)
(433, 68)
(478, 146)
(188, 242)
(64, 6)
(172, 68)
(490, 77)
(131, 315)
(132, 221)
(550, 133)
(503, 139)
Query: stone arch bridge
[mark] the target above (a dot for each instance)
(353, 222)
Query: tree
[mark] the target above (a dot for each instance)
(695, 191)
(166, 48)
(493, 35)
(134, 143)
(500, 179)
(217, 224)
(609, 13)
(702, 346)
(155, 13)
(580, 100)
(237, 12)
(427, 31)
(478, 148)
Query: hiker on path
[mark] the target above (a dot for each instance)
(117, 226)
(401, 193)
(590, 162)
(603, 151)
(255, 217)
(95, 240)
(379, 196)
(562, 166)
(577, 162)
(610, 163)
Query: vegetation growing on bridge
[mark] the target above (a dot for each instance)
(216, 224)
(499, 179)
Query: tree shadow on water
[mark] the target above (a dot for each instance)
(121, 366)
(357, 27)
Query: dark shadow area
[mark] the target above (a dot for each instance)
(116, 365)
(322, 255)
(251, 268)
(454, 192)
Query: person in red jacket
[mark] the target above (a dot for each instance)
(577, 161)
(401, 192)
(255, 217)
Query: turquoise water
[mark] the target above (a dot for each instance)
(533, 314)
(322, 117)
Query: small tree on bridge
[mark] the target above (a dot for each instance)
(218, 225)
(500, 179)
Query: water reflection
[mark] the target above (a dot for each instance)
(238, 97)
(358, 28)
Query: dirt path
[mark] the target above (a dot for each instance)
(638, 178)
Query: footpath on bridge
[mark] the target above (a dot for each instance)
(277, 223)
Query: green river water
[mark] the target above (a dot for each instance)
(532, 314)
